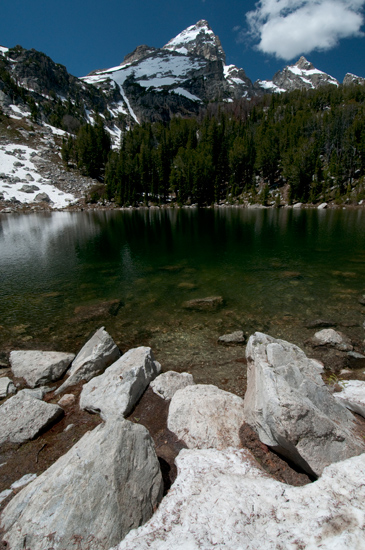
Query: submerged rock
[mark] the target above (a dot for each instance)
(96, 355)
(204, 416)
(115, 392)
(40, 367)
(320, 323)
(292, 410)
(223, 500)
(210, 303)
(107, 484)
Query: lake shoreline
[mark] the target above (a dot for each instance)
(82, 206)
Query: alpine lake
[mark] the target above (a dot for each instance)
(65, 274)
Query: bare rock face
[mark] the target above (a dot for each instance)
(22, 417)
(115, 392)
(204, 416)
(106, 485)
(292, 410)
(96, 355)
(40, 367)
(223, 500)
(353, 79)
(167, 383)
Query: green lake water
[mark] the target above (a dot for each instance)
(275, 269)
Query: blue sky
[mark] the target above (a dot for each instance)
(261, 37)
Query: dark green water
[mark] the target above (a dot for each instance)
(275, 269)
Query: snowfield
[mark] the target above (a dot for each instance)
(18, 173)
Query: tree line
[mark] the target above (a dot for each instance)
(312, 141)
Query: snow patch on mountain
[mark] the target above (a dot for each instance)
(164, 69)
(185, 93)
(157, 71)
(269, 86)
(20, 179)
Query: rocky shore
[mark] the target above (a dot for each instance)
(104, 450)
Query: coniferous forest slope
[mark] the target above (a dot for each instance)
(305, 145)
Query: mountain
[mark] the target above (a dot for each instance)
(353, 79)
(179, 78)
(33, 84)
(151, 84)
(42, 107)
(301, 75)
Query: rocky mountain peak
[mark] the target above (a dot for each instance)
(139, 53)
(353, 79)
(199, 40)
(304, 64)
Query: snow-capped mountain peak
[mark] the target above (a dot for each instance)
(301, 75)
(353, 79)
(200, 40)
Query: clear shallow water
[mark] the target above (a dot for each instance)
(275, 269)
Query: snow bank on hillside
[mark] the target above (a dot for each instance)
(17, 169)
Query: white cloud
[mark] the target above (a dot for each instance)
(288, 28)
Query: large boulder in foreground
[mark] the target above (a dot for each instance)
(292, 410)
(223, 500)
(40, 367)
(204, 416)
(23, 417)
(115, 392)
(106, 485)
(96, 355)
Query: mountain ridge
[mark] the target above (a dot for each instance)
(150, 84)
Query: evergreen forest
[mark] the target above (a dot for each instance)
(306, 146)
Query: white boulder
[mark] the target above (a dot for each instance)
(115, 392)
(107, 484)
(22, 417)
(352, 395)
(292, 410)
(39, 367)
(96, 355)
(333, 338)
(233, 338)
(6, 387)
(204, 416)
(167, 383)
(223, 500)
